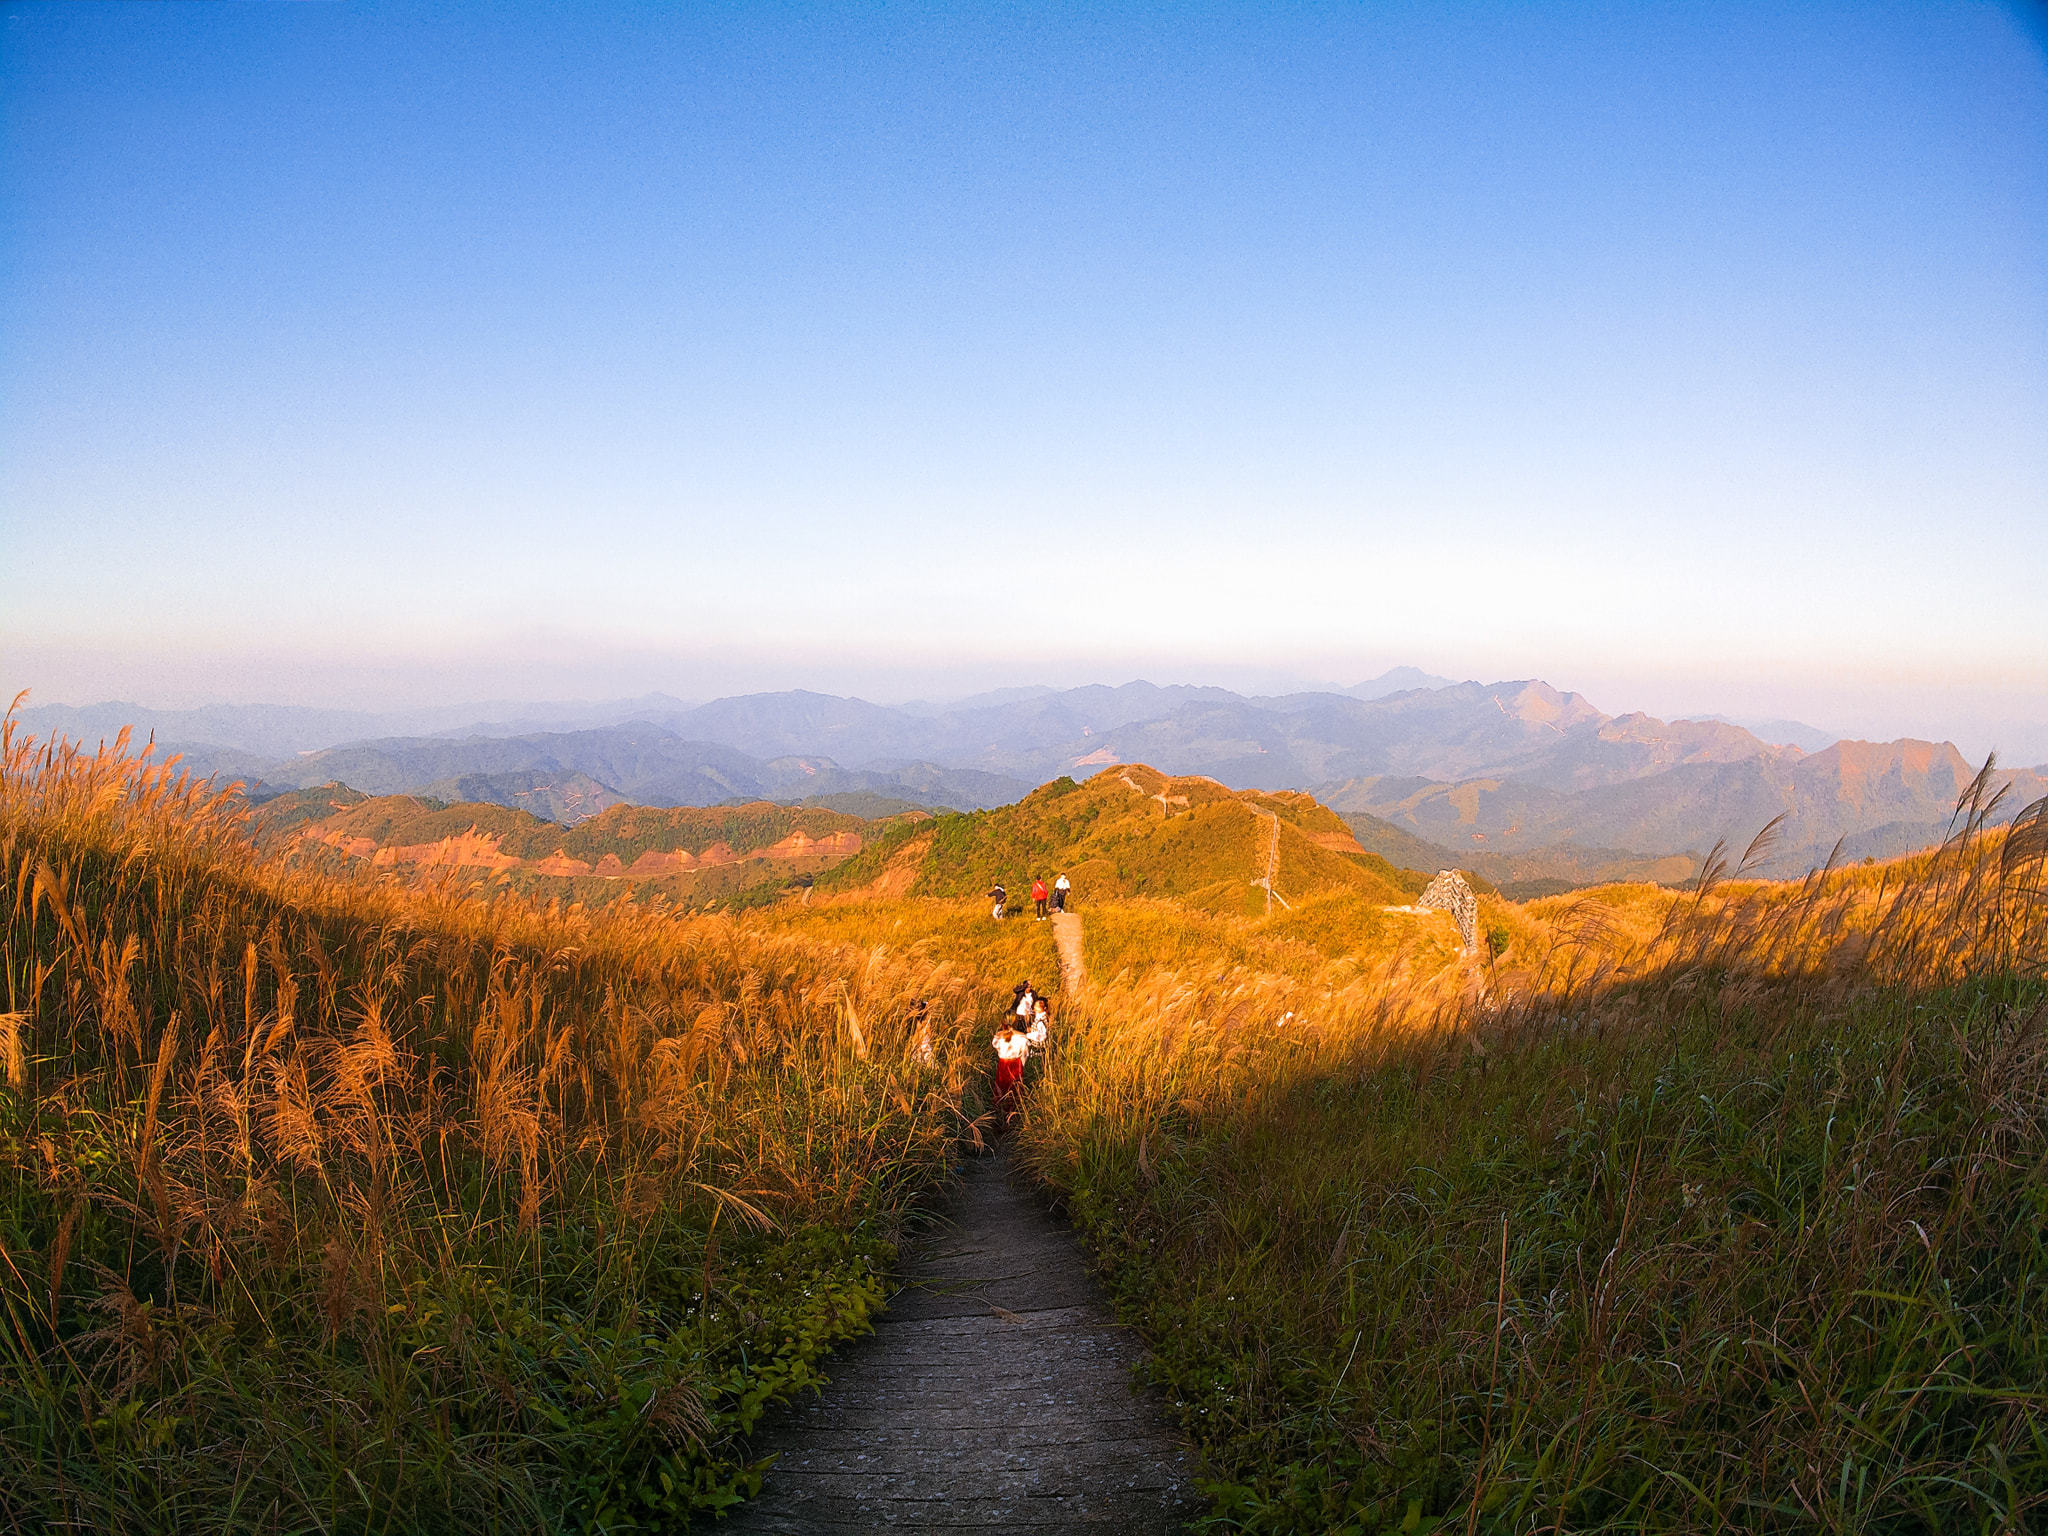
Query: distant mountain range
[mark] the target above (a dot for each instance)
(258, 731)
(1517, 780)
(1874, 799)
(566, 775)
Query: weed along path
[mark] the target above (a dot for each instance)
(995, 1395)
(1066, 937)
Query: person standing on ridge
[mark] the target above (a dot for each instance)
(1060, 890)
(1039, 896)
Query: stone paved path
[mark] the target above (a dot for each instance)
(994, 1396)
(1066, 938)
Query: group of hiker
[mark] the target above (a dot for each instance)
(1023, 1029)
(1027, 1019)
(1045, 899)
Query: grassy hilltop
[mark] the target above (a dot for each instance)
(1132, 832)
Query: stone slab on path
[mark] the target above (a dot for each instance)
(995, 1395)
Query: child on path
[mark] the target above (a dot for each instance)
(1040, 895)
(1013, 1049)
(1041, 1017)
(1060, 888)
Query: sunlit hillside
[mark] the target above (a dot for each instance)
(688, 854)
(1132, 831)
(326, 1196)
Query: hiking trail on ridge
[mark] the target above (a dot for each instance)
(1066, 938)
(995, 1395)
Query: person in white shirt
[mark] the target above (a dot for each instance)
(1040, 1018)
(1060, 889)
(1013, 1049)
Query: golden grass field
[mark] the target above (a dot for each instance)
(357, 1199)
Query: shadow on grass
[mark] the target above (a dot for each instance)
(1741, 1225)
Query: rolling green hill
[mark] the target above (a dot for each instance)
(1132, 831)
(1128, 832)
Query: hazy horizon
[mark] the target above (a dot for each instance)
(1975, 736)
(1695, 360)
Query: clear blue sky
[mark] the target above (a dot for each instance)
(1695, 356)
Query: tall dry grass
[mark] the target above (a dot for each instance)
(350, 1204)
(1690, 1211)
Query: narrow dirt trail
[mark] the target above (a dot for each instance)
(994, 1396)
(1066, 938)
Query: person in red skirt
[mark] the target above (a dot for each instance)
(1013, 1049)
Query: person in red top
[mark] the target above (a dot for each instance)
(1040, 895)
